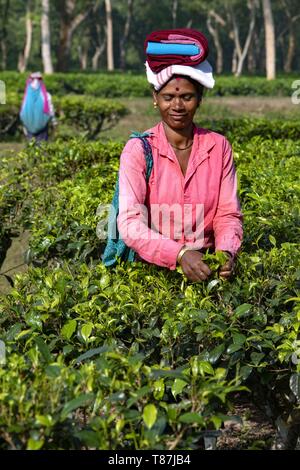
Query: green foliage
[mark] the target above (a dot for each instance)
(89, 35)
(87, 114)
(137, 357)
(82, 115)
(244, 129)
(9, 117)
(216, 260)
(114, 85)
(29, 184)
(120, 381)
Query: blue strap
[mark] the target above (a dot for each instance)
(147, 151)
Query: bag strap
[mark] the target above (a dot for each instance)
(147, 150)
(115, 246)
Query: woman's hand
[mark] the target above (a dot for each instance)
(193, 266)
(226, 270)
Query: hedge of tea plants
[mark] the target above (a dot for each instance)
(85, 103)
(112, 85)
(137, 357)
(81, 115)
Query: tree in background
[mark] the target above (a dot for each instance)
(214, 22)
(269, 40)
(98, 38)
(125, 35)
(45, 37)
(228, 22)
(4, 13)
(105, 34)
(25, 54)
(110, 40)
(239, 50)
(72, 14)
(174, 13)
(292, 16)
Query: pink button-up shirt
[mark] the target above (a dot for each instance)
(200, 209)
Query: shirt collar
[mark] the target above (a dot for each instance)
(203, 141)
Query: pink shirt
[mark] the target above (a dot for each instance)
(208, 189)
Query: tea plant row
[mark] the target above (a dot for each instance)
(138, 357)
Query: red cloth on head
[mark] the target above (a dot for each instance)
(159, 62)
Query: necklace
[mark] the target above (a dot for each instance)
(182, 148)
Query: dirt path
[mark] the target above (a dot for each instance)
(255, 432)
(257, 105)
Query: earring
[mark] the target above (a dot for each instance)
(155, 104)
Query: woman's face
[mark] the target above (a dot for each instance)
(177, 101)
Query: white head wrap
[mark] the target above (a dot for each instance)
(201, 73)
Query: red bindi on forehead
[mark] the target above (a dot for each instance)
(179, 84)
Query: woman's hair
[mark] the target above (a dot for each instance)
(199, 87)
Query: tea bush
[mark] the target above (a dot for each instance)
(243, 129)
(85, 115)
(137, 357)
(89, 114)
(70, 329)
(269, 193)
(112, 85)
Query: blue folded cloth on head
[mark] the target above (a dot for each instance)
(161, 48)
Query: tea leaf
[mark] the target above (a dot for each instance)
(81, 400)
(150, 415)
(68, 329)
(178, 386)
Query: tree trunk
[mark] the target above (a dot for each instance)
(63, 50)
(4, 10)
(110, 45)
(215, 35)
(83, 58)
(99, 48)
(291, 50)
(174, 13)
(252, 54)
(245, 49)
(83, 52)
(24, 56)
(240, 53)
(251, 64)
(125, 36)
(96, 57)
(287, 66)
(68, 25)
(269, 40)
(45, 36)
(234, 61)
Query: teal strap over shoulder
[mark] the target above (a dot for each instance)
(115, 246)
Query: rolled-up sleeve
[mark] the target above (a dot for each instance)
(133, 215)
(227, 223)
